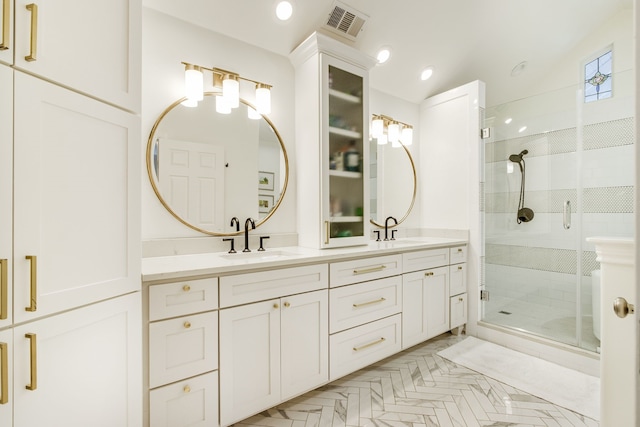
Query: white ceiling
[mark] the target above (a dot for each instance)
(463, 40)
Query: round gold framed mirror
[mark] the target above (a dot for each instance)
(393, 183)
(206, 167)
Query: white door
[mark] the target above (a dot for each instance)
(305, 342)
(619, 342)
(191, 180)
(6, 377)
(93, 47)
(81, 368)
(76, 200)
(6, 191)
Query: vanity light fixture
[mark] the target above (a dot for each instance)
(385, 128)
(253, 114)
(229, 82)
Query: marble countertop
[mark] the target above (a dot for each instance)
(218, 263)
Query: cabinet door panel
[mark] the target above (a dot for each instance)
(414, 323)
(6, 191)
(94, 47)
(77, 198)
(458, 307)
(457, 279)
(305, 342)
(249, 360)
(88, 367)
(6, 382)
(437, 297)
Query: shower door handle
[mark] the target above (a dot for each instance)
(566, 215)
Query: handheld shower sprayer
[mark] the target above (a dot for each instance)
(524, 214)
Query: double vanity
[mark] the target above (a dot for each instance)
(230, 335)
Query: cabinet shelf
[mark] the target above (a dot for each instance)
(346, 219)
(345, 96)
(345, 174)
(344, 132)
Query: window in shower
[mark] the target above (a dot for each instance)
(598, 78)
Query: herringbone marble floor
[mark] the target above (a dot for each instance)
(417, 388)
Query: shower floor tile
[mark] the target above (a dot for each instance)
(417, 388)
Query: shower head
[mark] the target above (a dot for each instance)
(517, 158)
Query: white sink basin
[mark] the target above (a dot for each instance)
(258, 255)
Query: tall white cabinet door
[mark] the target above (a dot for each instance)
(84, 367)
(6, 179)
(6, 377)
(76, 201)
(6, 32)
(91, 46)
(304, 345)
(437, 301)
(249, 360)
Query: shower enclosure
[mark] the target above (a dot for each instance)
(541, 275)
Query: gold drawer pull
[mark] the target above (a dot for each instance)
(33, 40)
(4, 374)
(187, 325)
(5, 25)
(459, 267)
(362, 304)
(4, 289)
(33, 303)
(428, 273)
(186, 288)
(370, 270)
(381, 340)
(34, 361)
(186, 389)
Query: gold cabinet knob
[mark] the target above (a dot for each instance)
(276, 305)
(459, 267)
(186, 388)
(287, 304)
(186, 288)
(187, 324)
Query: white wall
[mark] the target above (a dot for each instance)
(168, 41)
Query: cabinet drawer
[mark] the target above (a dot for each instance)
(252, 287)
(458, 310)
(182, 347)
(364, 302)
(458, 254)
(180, 298)
(361, 270)
(422, 260)
(358, 347)
(188, 403)
(457, 279)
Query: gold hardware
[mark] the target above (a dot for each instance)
(370, 270)
(186, 288)
(287, 304)
(34, 362)
(34, 283)
(459, 250)
(459, 267)
(33, 41)
(369, 303)
(327, 228)
(4, 374)
(187, 325)
(5, 25)
(276, 305)
(428, 273)
(381, 340)
(622, 308)
(460, 299)
(186, 389)
(4, 289)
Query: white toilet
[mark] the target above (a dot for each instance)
(595, 301)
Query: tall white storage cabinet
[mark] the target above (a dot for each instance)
(70, 324)
(332, 131)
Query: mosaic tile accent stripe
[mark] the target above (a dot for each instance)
(608, 134)
(544, 259)
(609, 200)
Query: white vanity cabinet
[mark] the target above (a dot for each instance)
(6, 32)
(92, 47)
(457, 286)
(183, 353)
(366, 302)
(332, 121)
(274, 349)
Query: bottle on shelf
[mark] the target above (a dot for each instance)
(352, 158)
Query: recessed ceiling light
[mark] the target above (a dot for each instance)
(383, 55)
(518, 69)
(507, 121)
(284, 10)
(428, 72)
(522, 129)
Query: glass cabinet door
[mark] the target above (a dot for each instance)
(345, 164)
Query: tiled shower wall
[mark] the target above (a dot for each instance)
(537, 261)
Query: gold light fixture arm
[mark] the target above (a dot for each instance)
(219, 73)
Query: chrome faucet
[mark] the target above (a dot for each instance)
(386, 227)
(235, 221)
(246, 233)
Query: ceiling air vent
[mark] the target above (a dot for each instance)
(345, 21)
